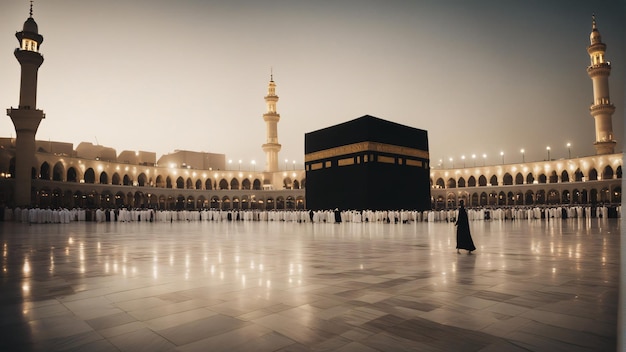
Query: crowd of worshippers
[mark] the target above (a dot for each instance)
(47, 215)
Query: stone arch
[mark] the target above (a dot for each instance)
(58, 171)
(530, 178)
(138, 199)
(553, 197)
(198, 184)
(225, 202)
(493, 180)
(142, 180)
(120, 199)
(127, 181)
(234, 184)
(90, 176)
(593, 175)
(269, 203)
(565, 197)
(180, 183)
(107, 200)
(189, 183)
(168, 182)
(474, 200)
(290, 203)
(202, 202)
(296, 184)
(115, 180)
(287, 184)
(471, 182)
(280, 203)
(72, 175)
(104, 178)
(208, 184)
(482, 181)
(576, 196)
(223, 184)
(300, 203)
(519, 179)
(215, 202)
(540, 197)
(564, 176)
(159, 182)
(607, 173)
(618, 172)
(461, 183)
(440, 183)
(245, 184)
(450, 201)
(483, 199)
(44, 171)
(451, 183)
(190, 204)
(529, 198)
(256, 185)
(180, 202)
(578, 176)
(507, 179)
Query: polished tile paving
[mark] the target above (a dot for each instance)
(273, 286)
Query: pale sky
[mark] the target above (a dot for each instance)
(481, 76)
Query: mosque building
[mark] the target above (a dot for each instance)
(55, 174)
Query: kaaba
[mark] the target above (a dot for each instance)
(367, 163)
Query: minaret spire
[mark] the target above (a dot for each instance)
(26, 117)
(271, 118)
(601, 109)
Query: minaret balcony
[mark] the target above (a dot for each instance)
(601, 69)
(598, 109)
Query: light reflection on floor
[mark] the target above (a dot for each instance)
(538, 285)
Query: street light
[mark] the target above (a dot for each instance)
(474, 158)
(522, 151)
(502, 155)
(463, 158)
(239, 164)
(548, 149)
(484, 159)
(294, 165)
(286, 161)
(253, 165)
(452, 162)
(569, 150)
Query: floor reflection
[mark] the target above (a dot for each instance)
(80, 277)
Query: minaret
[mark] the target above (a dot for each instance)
(271, 118)
(601, 109)
(26, 117)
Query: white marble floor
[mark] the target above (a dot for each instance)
(256, 286)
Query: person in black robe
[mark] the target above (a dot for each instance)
(463, 236)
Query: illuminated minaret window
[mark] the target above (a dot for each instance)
(601, 109)
(26, 117)
(271, 118)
